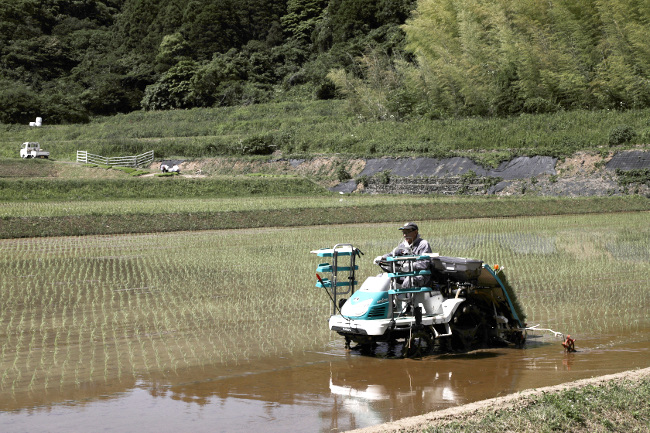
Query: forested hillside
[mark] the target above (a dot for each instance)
(69, 60)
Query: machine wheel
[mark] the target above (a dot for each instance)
(419, 344)
(469, 330)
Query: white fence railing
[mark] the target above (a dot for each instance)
(118, 161)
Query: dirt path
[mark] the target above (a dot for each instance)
(480, 408)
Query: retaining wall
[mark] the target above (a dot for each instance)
(449, 185)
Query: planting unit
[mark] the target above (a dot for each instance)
(463, 306)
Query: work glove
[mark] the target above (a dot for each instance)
(378, 260)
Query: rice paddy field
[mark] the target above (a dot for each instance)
(80, 312)
(440, 206)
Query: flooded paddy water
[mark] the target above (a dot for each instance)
(225, 332)
(327, 391)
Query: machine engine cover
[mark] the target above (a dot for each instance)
(457, 268)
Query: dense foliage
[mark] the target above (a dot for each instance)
(503, 57)
(69, 60)
(500, 57)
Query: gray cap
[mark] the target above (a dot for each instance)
(409, 226)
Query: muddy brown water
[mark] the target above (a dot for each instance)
(326, 391)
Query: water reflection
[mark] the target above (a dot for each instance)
(328, 391)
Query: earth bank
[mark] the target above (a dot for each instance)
(584, 174)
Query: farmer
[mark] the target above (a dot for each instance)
(412, 244)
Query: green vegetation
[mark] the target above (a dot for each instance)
(512, 57)
(260, 80)
(149, 188)
(639, 176)
(68, 61)
(618, 406)
(81, 310)
(307, 129)
(19, 168)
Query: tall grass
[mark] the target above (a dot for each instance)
(84, 310)
(299, 128)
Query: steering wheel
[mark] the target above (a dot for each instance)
(385, 266)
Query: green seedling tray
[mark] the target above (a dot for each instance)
(326, 267)
(407, 258)
(328, 253)
(327, 283)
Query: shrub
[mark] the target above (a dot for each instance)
(257, 145)
(363, 180)
(342, 174)
(539, 105)
(621, 134)
(326, 90)
(383, 177)
(636, 176)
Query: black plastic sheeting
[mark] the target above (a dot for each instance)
(518, 168)
(631, 160)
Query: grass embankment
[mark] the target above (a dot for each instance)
(317, 127)
(610, 404)
(153, 188)
(610, 407)
(145, 216)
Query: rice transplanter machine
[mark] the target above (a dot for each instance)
(465, 303)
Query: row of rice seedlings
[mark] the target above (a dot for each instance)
(152, 206)
(101, 308)
(576, 281)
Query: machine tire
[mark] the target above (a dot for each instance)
(419, 344)
(469, 329)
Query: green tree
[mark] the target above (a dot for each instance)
(301, 19)
(173, 49)
(51, 45)
(173, 89)
(18, 103)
